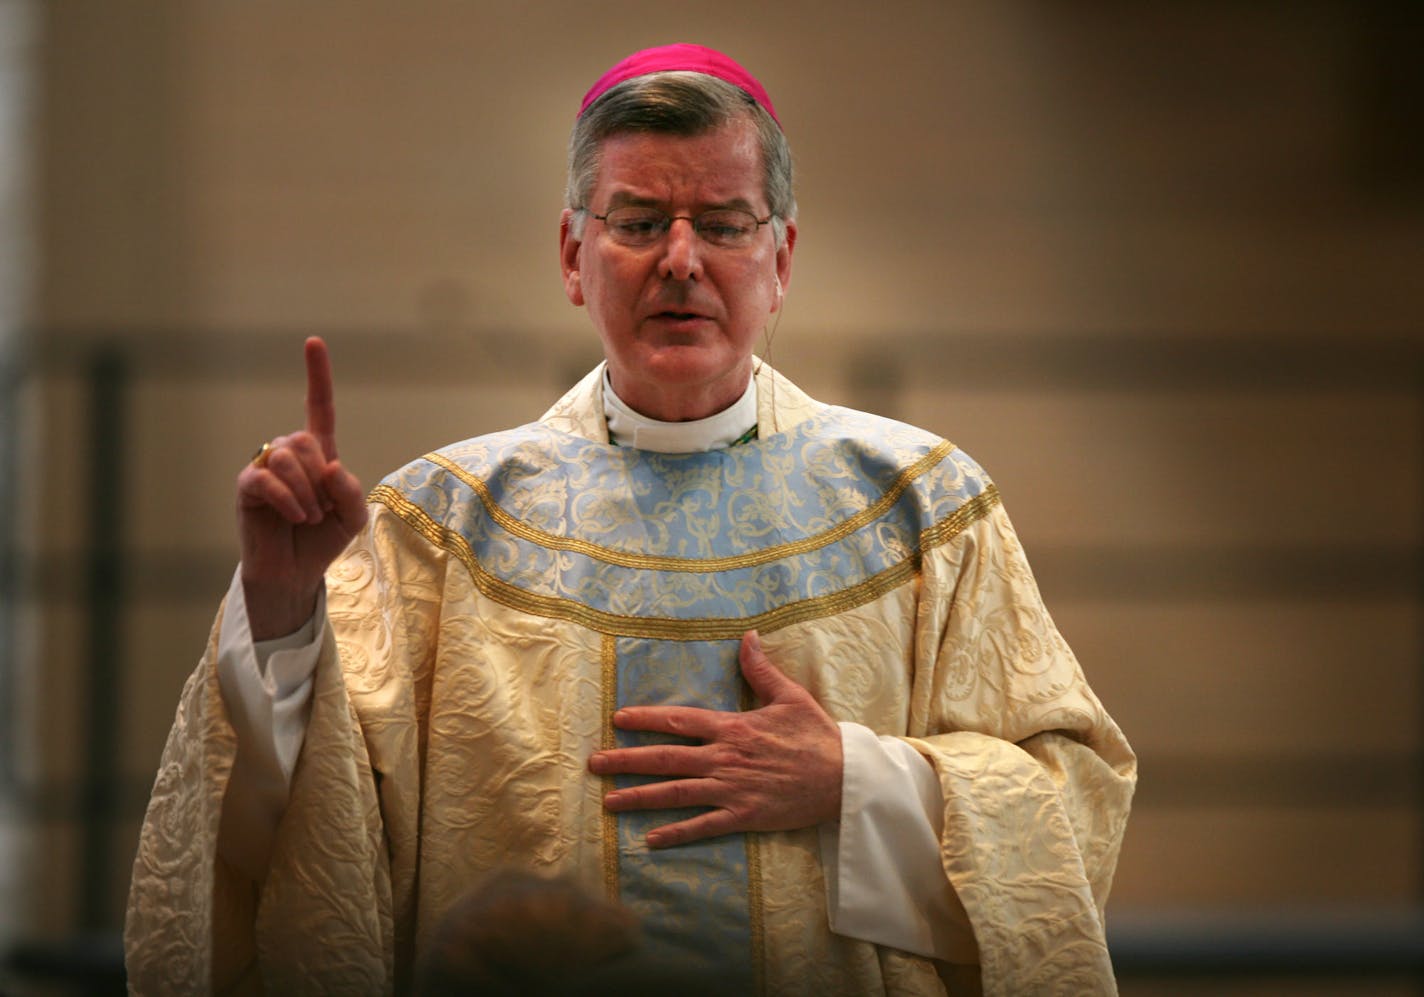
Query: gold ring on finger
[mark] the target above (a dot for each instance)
(259, 459)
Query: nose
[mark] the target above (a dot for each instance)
(682, 252)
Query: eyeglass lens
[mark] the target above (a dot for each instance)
(728, 227)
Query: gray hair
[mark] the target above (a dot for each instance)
(676, 103)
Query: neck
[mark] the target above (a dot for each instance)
(629, 427)
(681, 402)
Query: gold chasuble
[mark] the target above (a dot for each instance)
(512, 591)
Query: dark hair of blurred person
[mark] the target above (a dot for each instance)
(519, 932)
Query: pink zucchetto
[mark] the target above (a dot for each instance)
(684, 58)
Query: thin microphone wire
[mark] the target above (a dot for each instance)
(766, 338)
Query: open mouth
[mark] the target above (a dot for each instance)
(680, 318)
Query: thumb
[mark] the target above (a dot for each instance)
(766, 680)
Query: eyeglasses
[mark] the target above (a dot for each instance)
(726, 228)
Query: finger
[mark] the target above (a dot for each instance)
(287, 466)
(310, 461)
(653, 759)
(684, 721)
(665, 795)
(306, 448)
(348, 500)
(768, 682)
(321, 396)
(259, 488)
(711, 824)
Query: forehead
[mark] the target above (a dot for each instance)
(721, 166)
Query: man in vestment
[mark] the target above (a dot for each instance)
(771, 673)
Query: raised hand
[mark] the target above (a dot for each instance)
(297, 509)
(774, 768)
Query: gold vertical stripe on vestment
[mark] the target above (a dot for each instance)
(609, 680)
(757, 911)
(746, 700)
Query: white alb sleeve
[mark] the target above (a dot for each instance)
(884, 879)
(267, 689)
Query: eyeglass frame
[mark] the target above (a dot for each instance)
(690, 219)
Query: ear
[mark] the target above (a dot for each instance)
(783, 265)
(569, 258)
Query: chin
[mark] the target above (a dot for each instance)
(690, 364)
(691, 381)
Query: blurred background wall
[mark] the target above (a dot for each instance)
(1157, 266)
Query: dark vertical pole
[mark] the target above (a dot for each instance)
(106, 377)
(10, 378)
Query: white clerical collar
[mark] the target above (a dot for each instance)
(716, 432)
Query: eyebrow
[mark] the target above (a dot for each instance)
(624, 199)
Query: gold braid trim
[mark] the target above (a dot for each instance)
(766, 555)
(757, 910)
(609, 660)
(960, 519)
(673, 628)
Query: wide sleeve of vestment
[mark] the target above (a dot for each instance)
(181, 897)
(331, 913)
(1037, 778)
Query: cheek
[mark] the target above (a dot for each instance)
(612, 282)
(759, 299)
(766, 283)
(595, 289)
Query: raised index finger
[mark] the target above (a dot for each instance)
(321, 405)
